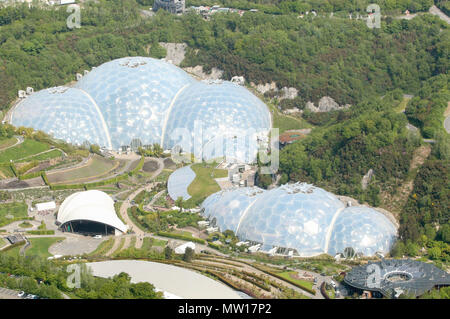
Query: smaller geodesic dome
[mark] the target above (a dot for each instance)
(88, 207)
(301, 217)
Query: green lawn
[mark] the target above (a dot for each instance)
(204, 184)
(288, 275)
(25, 224)
(7, 142)
(402, 105)
(6, 172)
(27, 148)
(44, 156)
(39, 246)
(103, 248)
(2, 242)
(147, 243)
(13, 251)
(12, 210)
(286, 122)
(183, 233)
(97, 167)
(159, 242)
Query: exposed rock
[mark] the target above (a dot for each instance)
(263, 88)
(366, 179)
(197, 71)
(240, 80)
(294, 110)
(288, 93)
(326, 104)
(284, 93)
(175, 52)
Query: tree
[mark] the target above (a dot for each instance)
(189, 254)
(94, 149)
(179, 203)
(444, 233)
(412, 249)
(398, 249)
(434, 252)
(168, 252)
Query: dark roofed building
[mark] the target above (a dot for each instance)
(394, 277)
(173, 6)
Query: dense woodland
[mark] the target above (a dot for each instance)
(303, 6)
(370, 69)
(38, 276)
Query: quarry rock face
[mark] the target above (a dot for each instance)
(326, 104)
(288, 93)
(175, 51)
(281, 94)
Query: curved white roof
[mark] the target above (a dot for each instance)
(90, 205)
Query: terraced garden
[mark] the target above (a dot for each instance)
(27, 148)
(97, 167)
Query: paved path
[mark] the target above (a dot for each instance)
(19, 139)
(436, 11)
(447, 124)
(117, 241)
(47, 151)
(127, 204)
(6, 293)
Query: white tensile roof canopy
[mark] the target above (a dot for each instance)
(92, 205)
(45, 206)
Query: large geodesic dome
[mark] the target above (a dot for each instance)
(302, 217)
(153, 101)
(75, 122)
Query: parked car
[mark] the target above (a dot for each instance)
(21, 294)
(98, 236)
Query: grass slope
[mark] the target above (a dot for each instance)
(27, 148)
(204, 184)
(40, 246)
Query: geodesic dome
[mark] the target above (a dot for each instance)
(150, 100)
(302, 217)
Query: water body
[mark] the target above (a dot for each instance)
(173, 281)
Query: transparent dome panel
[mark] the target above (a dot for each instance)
(210, 112)
(364, 229)
(66, 113)
(292, 216)
(226, 208)
(134, 94)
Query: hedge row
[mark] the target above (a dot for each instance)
(312, 291)
(13, 168)
(182, 237)
(41, 232)
(31, 175)
(27, 167)
(12, 220)
(13, 245)
(215, 246)
(87, 186)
